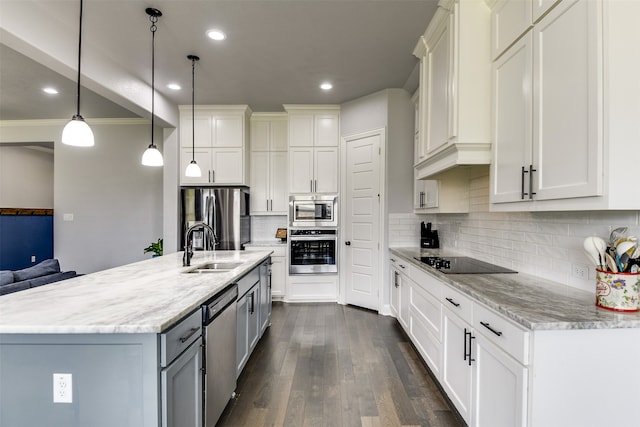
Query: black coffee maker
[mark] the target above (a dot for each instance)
(428, 237)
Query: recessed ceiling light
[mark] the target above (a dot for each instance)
(216, 35)
(326, 86)
(50, 90)
(174, 86)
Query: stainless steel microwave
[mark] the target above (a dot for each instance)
(313, 210)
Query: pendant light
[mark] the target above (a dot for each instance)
(152, 156)
(193, 170)
(77, 132)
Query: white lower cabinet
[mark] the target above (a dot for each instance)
(278, 267)
(400, 292)
(499, 387)
(457, 359)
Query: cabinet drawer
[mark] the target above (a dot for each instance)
(502, 332)
(247, 281)
(458, 303)
(401, 265)
(426, 281)
(428, 308)
(179, 337)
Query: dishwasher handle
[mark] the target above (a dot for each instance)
(221, 301)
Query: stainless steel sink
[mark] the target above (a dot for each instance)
(215, 267)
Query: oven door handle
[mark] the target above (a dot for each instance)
(312, 239)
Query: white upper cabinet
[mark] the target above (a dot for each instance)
(314, 137)
(540, 7)
(509, 20)
(220, 133)
(455, 84)
(269, 169)
(566, 111)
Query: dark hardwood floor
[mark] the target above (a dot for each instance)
(334, 365)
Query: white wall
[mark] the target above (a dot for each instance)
(26, 177)
(115, 201)
(543, 244)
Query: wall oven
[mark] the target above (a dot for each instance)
(313, 210)
(313, 251)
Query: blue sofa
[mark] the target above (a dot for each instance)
(47, 271)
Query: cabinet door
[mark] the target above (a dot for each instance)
(439, 87)
(300, 169)
(326, 130)
(253, 322)
(425, 194)
(456, 369)
(260, 135)
(512, 104)
(500, 388)
(228, 166)
(279, 131)
(278, 276)
(395, 293)
(260, 183)
(202, 125)
(509, 20)
(228, 131)
(301, 130)
(567, 133)
(540, 7)
(203, 158)
(265, 296)
(181, 384)
(242, 340)
(325, 170)
(425, 341)
(278, 175)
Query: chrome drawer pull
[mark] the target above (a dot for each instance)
(453, 302)
(191, 332)
(486, 325)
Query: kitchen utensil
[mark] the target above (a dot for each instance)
(593, 256)
(611, 264)
(624, 251)
(596, 248)
(616, 234)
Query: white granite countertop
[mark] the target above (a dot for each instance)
(143, 297)
(533, 302)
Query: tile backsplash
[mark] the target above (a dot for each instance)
(263, 228)
(544, 244)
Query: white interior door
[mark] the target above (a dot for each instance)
(361, 230)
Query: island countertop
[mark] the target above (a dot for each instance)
(143, 297)
(533, 302)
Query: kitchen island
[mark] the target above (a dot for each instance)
(106, 329)
(518, 350)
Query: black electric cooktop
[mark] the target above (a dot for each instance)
(462, 265)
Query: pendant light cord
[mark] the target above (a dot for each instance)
(153, 29)
(79, 62)
(193, 108)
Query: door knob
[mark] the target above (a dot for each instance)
(348, 243)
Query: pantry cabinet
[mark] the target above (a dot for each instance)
(220, 149)
(314, 136)
(269, 164)
(454, 88)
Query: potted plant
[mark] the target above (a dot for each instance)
(155, 247)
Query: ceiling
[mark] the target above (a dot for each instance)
(276, 52)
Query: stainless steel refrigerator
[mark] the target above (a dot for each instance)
(225, 209)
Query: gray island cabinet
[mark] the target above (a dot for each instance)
(131, 338)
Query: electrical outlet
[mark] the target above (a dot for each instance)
(33, 258)
(62, 388)
(580, 271)
(67, 217)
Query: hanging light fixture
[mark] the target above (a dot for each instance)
(77, 132)
(193, 170)
(152, 156)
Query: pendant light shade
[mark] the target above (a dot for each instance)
(193, 170)
(77, 132)
(152, 156)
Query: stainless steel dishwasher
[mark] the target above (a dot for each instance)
(219, 320)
